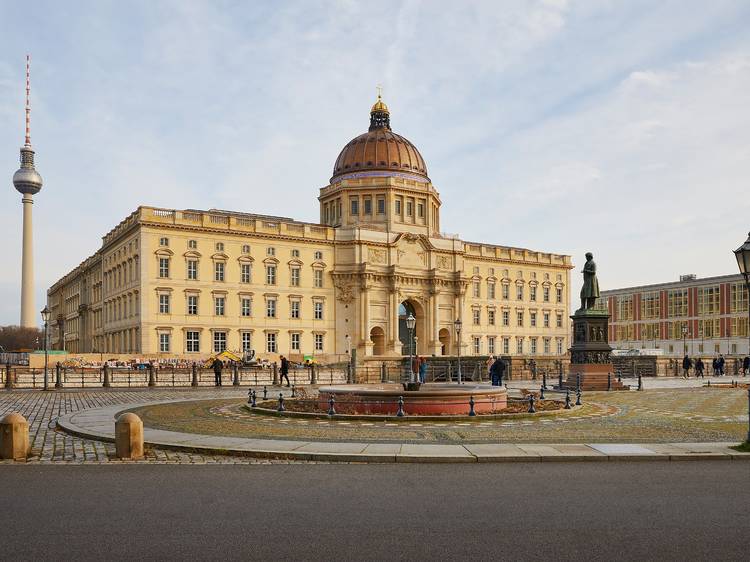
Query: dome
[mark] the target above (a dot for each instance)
(380, 150)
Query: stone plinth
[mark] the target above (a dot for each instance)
(129, 436)
(14, 437)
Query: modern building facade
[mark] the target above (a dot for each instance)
(695, 316)
(191, 282)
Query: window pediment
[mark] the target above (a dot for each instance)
(220, 256)
(271, 261)
(192, 254)
(164, 252)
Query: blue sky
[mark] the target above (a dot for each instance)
(617, 127)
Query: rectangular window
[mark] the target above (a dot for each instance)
(532, 293)
(708, 328)
(381, 206)
(650, 305)
(420, 210)
(545, 294)
(318, 310)
(163, 241)
(318, 342)
(219, 306)
(219, 271)
(368, 206)
(506, 318)
(247, 342)
(163, 267)
(477, 344)
(738, 297)
(270, 251)
(558, 320)
(294, 309)
(397, 206)
(192, 305)
(295, 253)
(547, 346)
(271, 308)
(270, 275)
(192, 269)
(355, 206)
(558, 291)
(164, 343)
(533, 346)
(192, 342)
(295, 342)
(409, 208)
(532, 319)
(677, 302)
(476, 316)
(220, 342)
(271, 343)
(245, 273)
(519, 346)
(294, 279)
(318, 278)
(491, 345)
(245, 307)
(519, 292)
(559, 346)
(519, 318)
(545, 319)
(625, 308)
(491, 317)
(490, 290)
(163, 304)
(506, 346)
(318, 255)
(506, 291)
(475, 289)
(708, 300)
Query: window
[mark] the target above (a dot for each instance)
(246, 306)
(270, 308)
(506, 318)
(650, 331)
(708, 300)
(545, 294)
(220, 246)
(491, 317)
(192, 342)
(295, 342)
(490, 290)
(738, 298)
(318, 278)
(519, 292)
(558, 320)
(506, 346)
(192, 305)
(397, 207)
(270, 275)
(163, 267)
(294, 309)
(354, 202)
(532, 319)
(409, 208)
(247, 342)
(163, 304)
(220, 342)
(476, 316)
(559, 346)
(192, 244)
(547, 346)
(650, 305)
(245, 273)
(318, 255)
(738, 327)
(368, 206)
(164, 343)
(219, 271)
(708, 328)
(318, 310)
(625, 307)
(192, 269)
(677, 302)
(519, 318)
(519, 346)
(271, 343)
(163, 241)
(420, 210)
(506, 291)
(532, 293)
(491, 345)
(270, 251)
(381, 206)
(219, 306)
(475, 289)
(294, 279)
(246, 249)
(533, 346)
(545, 319)
(477, 344)
(318, 342)
(295, 253)
(558, 290)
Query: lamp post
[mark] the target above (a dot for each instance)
(684, 335)
(743, 262)
(45, 317)
(457, 326)
(411, 322)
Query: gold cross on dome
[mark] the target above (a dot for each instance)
(379, 88)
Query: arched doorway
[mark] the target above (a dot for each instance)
(445, 341)
(377, 337)
(406, 308)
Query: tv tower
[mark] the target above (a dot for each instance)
(28, 182)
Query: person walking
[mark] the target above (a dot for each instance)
(423, 370)
(746, 366)
(686, 364)
(497, 371)
(217, 366)
(284, 371)
(488, 366)
(699, 368)
(714, 366)
(720, 364)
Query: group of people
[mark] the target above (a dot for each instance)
(717, 365)
(496, 368)
(218, 366)
(419, 368)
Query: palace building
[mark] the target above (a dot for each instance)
(193, 283)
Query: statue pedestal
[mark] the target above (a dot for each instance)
(590, 354)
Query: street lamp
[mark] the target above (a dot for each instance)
(743, 262)
(411, 322)
(684, 335)
(45, 317)
(457, 327)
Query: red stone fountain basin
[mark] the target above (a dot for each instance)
(430, 400)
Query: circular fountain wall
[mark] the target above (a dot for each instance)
(431, 399)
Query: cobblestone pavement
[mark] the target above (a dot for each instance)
(652, 416)
(49, 445)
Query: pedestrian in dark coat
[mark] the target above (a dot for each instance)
(746, 366)
(284, 371)
(720, 363)
(686, 364)
(497, 371)
(715, 366)
(217, 366)
(699, 368)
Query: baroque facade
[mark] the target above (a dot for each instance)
(189, 282)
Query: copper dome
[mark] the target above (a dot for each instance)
(379, 149)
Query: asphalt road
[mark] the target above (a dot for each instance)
(696, 510)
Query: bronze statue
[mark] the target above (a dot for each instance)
(590, 289)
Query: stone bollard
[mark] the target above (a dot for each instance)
(640, 381)
(331, 408)
(236, 379)
(58, 377)
(560, 380)
(471, 406)
(541, 393)
(151, 375)
(349, 377)
(129, 437)
(14, 437)
(275, 375)
(8, 376)
(544, 380)
(532, 410)
(281, 403)
(313, 374)
(383, 373)
(400, 412)
(294, 394)
(105, 382)
(578, 397)
(194, 382)
(567, 400)
(609, 382)
(265, 393)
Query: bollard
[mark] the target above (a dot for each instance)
(195, 375)
(709, 382)
(578, 382)
(640, 381)
(532, 410)
(560, 380)
(383, 373)
(265, 393)
(313, 374)
(129, 437)
(331, 409)
(349, 379)
(400, 412)
(58, 377)
(151, 378)
(578, 397)
(236, 380)
(281, 403)
(567, 400)
(609, 382)
(105, 382)
(619, 376)
(8, 376)
(471, 406)
(544, 380)
(293, 392)
(541, 393)
(14, 437)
